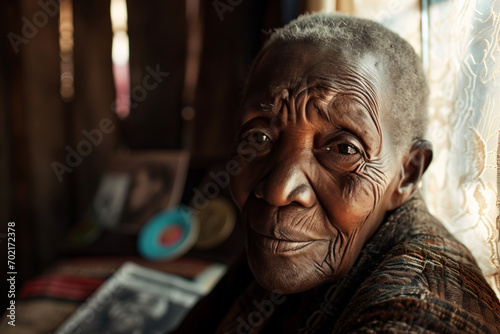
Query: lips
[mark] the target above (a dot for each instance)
(281, 230)
(274, 245)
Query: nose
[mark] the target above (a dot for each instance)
(284, 186)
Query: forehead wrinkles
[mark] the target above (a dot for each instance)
(288, 77)
(289, 104)
(349, 95)
(362, 91)
(283, 106)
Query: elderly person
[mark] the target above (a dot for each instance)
(331, 150)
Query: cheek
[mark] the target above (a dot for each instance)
(361, 191)
(358, 195)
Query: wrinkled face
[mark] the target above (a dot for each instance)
(317, 167)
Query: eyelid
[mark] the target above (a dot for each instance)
(342, 136)
(246, 134)
(259, 124)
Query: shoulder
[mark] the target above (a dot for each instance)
(427, 282)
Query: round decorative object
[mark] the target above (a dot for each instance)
(217, 221)
(168, 234)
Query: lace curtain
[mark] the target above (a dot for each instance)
(459, 41)
(464, 66)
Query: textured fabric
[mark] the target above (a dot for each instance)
(412, 277)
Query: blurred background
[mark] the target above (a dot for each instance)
(128, 76)
(61, 73)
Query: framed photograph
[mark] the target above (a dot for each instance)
(136, 186)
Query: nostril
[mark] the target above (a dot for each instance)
(303, 195)
(284, 194)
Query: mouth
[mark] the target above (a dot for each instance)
(274, 245)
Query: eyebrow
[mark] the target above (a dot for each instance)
(320, 91)
(257, 109)
(323, 113)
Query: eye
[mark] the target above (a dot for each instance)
(257, 140)
(346, 149)
(260, 138)
(342, 152)
(256, 137)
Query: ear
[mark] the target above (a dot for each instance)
(413, 166)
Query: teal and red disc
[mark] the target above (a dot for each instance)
(168, 234)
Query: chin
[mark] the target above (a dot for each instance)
(287, 273)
